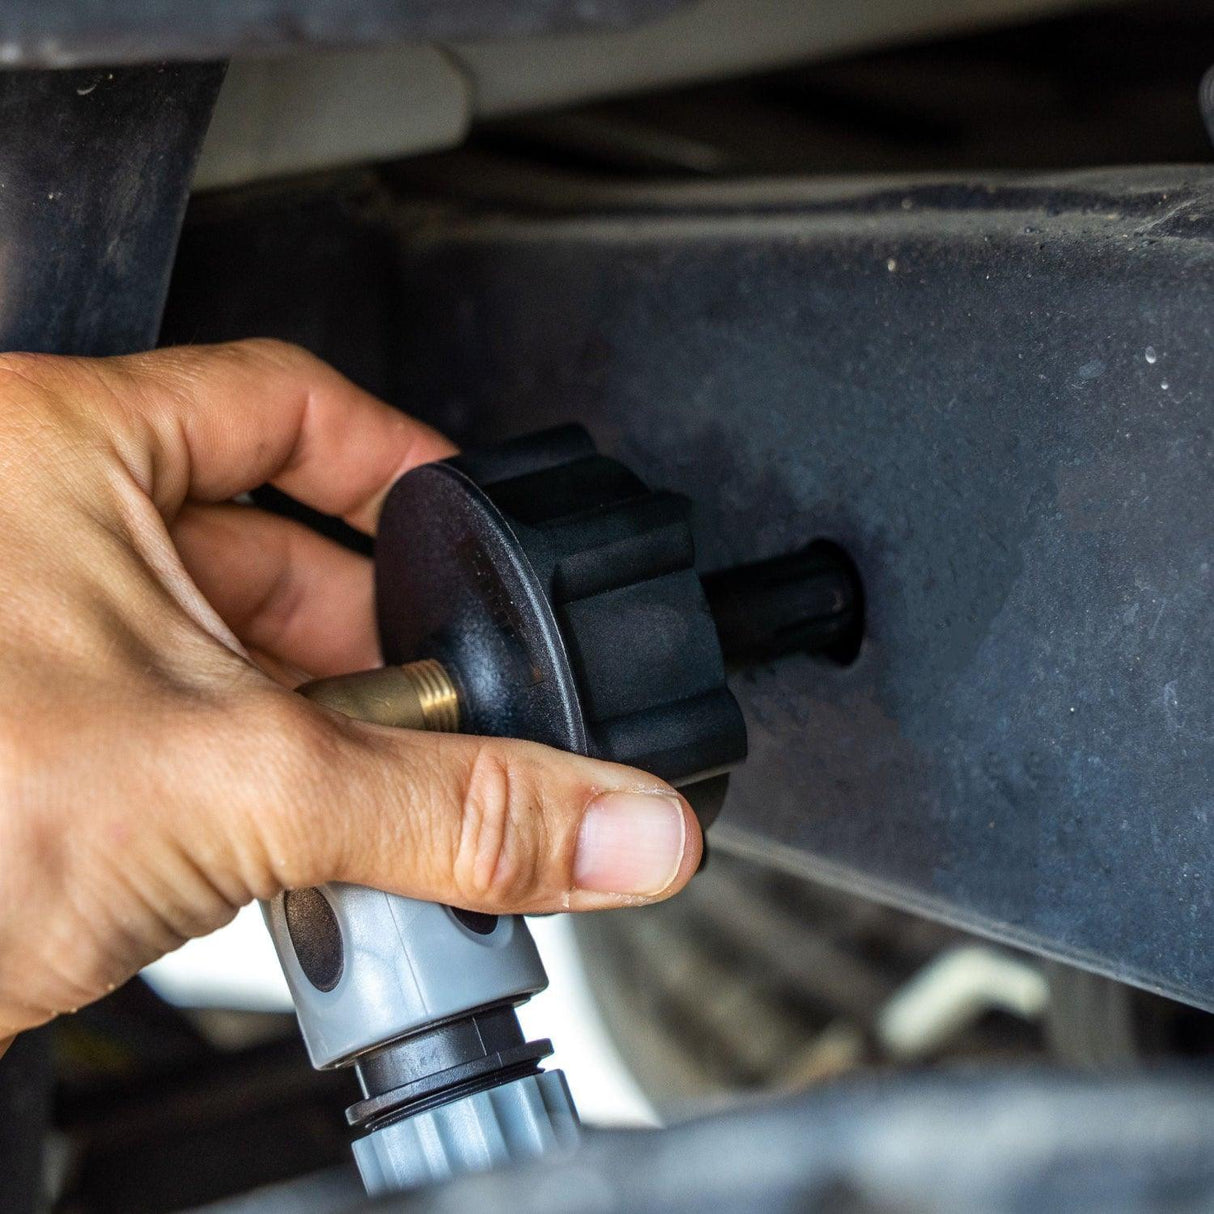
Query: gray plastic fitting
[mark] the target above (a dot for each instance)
(365, 967)
(517, 1121)
(419, 999)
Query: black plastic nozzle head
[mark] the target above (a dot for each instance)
(809, 601)
(560, 592)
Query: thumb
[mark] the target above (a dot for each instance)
(488, 824)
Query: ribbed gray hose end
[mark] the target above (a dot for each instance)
(517, 1121)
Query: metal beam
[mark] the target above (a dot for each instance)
(995, 395)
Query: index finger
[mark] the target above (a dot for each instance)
(219, 420)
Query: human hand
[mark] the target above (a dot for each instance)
(154, 777)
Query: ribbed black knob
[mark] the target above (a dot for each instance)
(560, 592)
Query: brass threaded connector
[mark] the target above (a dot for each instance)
(439, 699)
(417, 695)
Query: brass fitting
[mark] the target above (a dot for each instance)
(418, 695)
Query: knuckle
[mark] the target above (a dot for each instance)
(28, 380)
(35, 857)
(280, 755)
(42, 936)
(78, 964)
(273, 350)
(43, 395)
(500, 860)
(280, 719)
(34, 822)
(19, 368)
(14, 756)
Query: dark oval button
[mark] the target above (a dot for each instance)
(474, 921)
(315, 936)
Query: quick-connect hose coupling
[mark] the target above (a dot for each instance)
(552, 595)
(420, 999)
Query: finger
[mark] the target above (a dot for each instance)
(281, 588)
(489, 824)
(219, 420)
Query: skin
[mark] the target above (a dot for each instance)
(156, 770)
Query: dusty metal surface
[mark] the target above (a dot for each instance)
(94, 174)
(994, 394)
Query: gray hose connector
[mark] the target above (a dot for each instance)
(419, 999)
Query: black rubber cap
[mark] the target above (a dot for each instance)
(561, 594)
